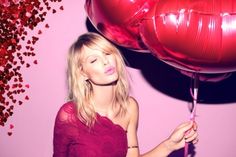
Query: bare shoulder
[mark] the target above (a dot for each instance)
(133, 104)
(133, 108)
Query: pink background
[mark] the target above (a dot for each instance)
(162, 97)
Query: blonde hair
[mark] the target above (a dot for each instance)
(80, 90)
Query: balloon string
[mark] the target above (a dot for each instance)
(194, 94)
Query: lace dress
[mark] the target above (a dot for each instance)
(73, 139)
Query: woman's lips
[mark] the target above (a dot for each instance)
(110, 70)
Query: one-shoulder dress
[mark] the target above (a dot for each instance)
(72, 138)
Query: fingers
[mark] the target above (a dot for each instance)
(187, 126)
(191, 135)
(195, 141)
(194, 126)
(185, 132)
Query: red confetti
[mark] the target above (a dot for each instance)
(39, 32)
(34, 39)
(54, 11)
(9, 133)
(48, 8)
(17, 17)
(20, 102)
(61, 8)
(11, 126)
(35, 62)
(27, 85)
(26, 97)
(27, 65)
(47, 26)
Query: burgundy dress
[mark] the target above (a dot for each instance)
(73, 139)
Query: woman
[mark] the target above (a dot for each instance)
(101, 119)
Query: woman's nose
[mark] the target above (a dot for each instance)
(105, 60)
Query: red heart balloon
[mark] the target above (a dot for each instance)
(119, 20)
(193, 35)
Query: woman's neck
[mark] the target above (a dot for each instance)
(103, 98)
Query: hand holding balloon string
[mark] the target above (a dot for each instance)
(194, 95)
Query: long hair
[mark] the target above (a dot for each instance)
(80, 90)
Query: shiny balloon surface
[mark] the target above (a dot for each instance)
(119, 20)
(193, 35)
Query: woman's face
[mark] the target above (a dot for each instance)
(99, 67)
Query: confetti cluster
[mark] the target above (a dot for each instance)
(17, 18)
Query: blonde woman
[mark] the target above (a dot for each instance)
(101, 119)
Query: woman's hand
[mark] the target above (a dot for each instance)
(185, 132)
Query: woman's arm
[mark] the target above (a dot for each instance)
(175, 141)
(133, 111)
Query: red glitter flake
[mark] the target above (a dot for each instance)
(27, 65)
(28, 42)
(46, 26)
(9, 133)
(48, 8)
(34, 39)
(11, 126)
(27, 47)
(17, 17)
(41, 8)
(35, 62)
(20, 102)
(54, 11)
(39, 32)
(61, 8)
(18, 47)
(26, 97)
(23, 38)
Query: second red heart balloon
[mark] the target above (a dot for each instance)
(197, 36)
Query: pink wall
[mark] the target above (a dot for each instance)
(160, 112)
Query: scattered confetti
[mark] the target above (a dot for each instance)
(17, 19)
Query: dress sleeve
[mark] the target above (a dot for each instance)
(65, 131)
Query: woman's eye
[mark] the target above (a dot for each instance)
(107, 54)
(93, 60)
